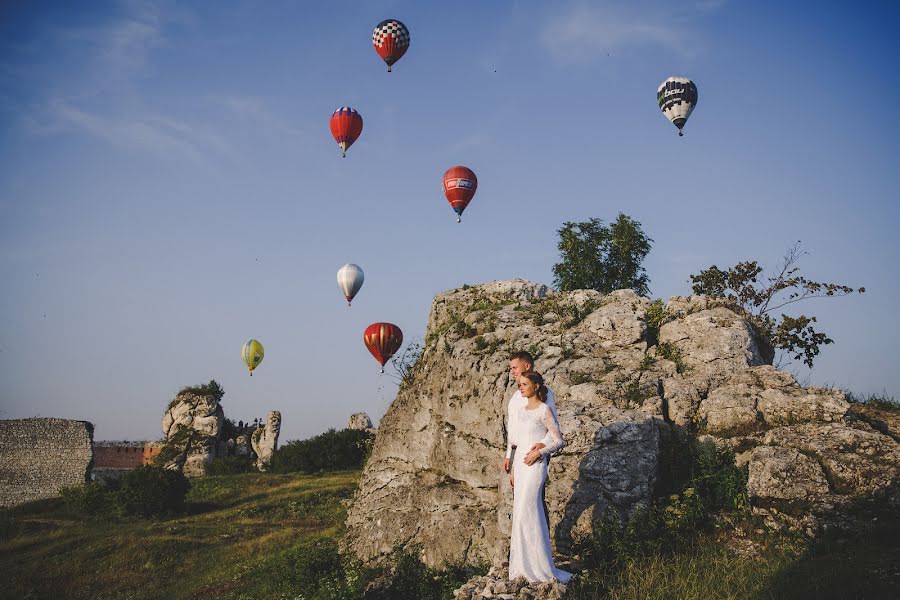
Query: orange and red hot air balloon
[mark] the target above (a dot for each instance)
(383, 340)
(346, 126)
(460, 184)
(391, 40)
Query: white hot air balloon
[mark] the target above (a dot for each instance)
(677, 97)
(350, 278)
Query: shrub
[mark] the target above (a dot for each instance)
(329, 451)
(93, 498)
(151, 491)
(794, 337)
(230, 465)
(654, 319)
(670, 351)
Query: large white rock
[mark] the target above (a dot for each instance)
(434, 479)
(192, 425)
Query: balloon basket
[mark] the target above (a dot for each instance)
(459, 219)
(680, 134)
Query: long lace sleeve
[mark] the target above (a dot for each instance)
(554, 435)
(510, 429)
(548, 439)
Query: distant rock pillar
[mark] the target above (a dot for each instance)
(265, 440)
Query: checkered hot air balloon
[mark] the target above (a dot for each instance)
(383, 340)
(350, 278)
(346, 126)
(677, 97)
(391, 40)
(252, 353)
(460, 184)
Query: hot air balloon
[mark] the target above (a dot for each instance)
(252, 353)
(346, 126)
(460, 184)
(677, 97)
(350, 278)
(382, 340)
(391, 39)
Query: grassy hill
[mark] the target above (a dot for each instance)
(240, 539)
(268, 536)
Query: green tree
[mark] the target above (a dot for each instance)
(759, 296)
(603, 258)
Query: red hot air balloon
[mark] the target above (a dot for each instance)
(460, 184)
(346, 126)
(391, 39)
(382, 340)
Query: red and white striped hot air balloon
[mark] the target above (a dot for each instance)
(346, 126)
(383, 340)
(460, 184)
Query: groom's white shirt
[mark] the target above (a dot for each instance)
(515, 403)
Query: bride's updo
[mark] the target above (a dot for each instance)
(538, 380)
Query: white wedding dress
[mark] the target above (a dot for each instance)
(530, 554)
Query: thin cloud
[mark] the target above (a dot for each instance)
(159, 134)
(256, 111)
(585, 31)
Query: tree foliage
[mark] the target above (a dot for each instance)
(602, 257)
(760, 296)
(329, 451)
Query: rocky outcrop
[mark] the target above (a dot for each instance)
(192, 425)
(434, 479)
(360, 421)
(265, 440)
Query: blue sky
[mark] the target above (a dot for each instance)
(169, 187)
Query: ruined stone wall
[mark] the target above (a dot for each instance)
(124, 455)
(39, 456)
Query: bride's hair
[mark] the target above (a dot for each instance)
(538, 380)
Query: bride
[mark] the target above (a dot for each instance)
(530, 555)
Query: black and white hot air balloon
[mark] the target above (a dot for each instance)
(350, 278)
(677, 97)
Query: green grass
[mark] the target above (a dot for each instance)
(860, 563)
(253, 536)
(238, 540)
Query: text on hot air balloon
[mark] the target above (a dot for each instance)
(466, 184)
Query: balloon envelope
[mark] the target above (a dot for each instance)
(350, 278)
(346, 126)
(460, 184)
(677, 98)
(252, 353)
(391, 40)
(383, 340)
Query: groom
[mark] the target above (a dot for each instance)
(521, 362)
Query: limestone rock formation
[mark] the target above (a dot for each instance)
(434, 479)
(192, 425)
(360, 421)
(265, 439)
